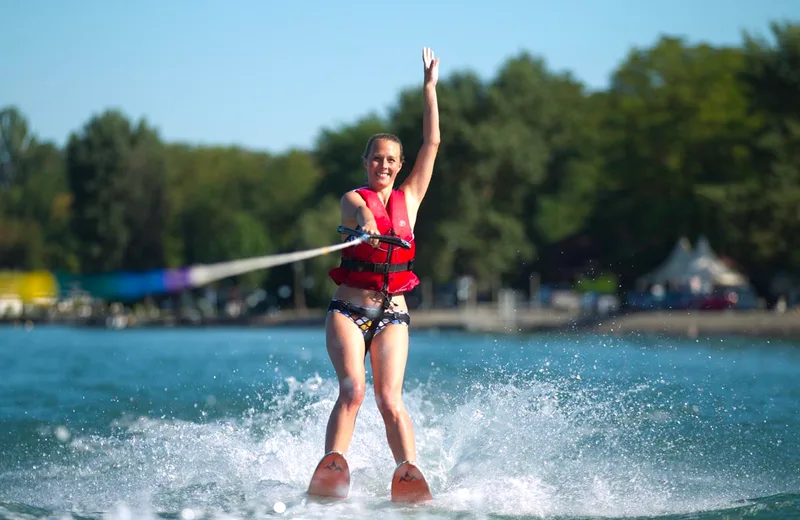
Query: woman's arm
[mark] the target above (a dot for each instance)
(355, 213)
(416, 185)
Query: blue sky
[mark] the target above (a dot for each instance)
(271, 75)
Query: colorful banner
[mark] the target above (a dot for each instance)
(36, 287)
(42, 287)
(124, 285)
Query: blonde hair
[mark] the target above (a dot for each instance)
(383, 137)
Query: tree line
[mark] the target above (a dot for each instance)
(536, 174)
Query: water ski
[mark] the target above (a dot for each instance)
(409, 484)
(331, 479)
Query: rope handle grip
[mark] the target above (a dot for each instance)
(381, 238)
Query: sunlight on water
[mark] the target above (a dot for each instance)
(523, 448)
(558, 437)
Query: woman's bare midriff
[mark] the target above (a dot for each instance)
(367, 298)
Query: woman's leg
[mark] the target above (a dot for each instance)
(388, 355)
(345, 343)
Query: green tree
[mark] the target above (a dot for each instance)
(516, 170)
(762, 209)
(339, 154)
(316, 227)
(688, 140)
(34, 200)
(146, 202)
(116, 175)
(289, 185)
(97, 162)
(452, 211)
(675, 118)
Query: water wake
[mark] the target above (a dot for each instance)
(526, 445)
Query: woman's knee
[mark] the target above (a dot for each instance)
(351, 392)
(390, 403)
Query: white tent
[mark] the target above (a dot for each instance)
(673, 268)
(684, 264)
(706, 266)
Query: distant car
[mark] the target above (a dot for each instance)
(733, 298)
(711, 302)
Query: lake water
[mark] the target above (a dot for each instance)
(229, 423)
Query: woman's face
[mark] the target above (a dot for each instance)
(383, 164)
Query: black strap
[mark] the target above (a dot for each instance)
(387, 300)
(360, 266)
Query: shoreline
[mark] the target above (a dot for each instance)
(696, 324)
(685, 323)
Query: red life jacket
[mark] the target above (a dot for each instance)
(364, 266)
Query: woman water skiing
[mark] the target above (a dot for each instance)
(368, 312)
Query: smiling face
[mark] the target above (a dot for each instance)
(383, 161)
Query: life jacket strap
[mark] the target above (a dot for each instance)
(359, 266)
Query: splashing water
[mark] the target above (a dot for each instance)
(568, 428)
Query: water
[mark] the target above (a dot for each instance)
(229, 423)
